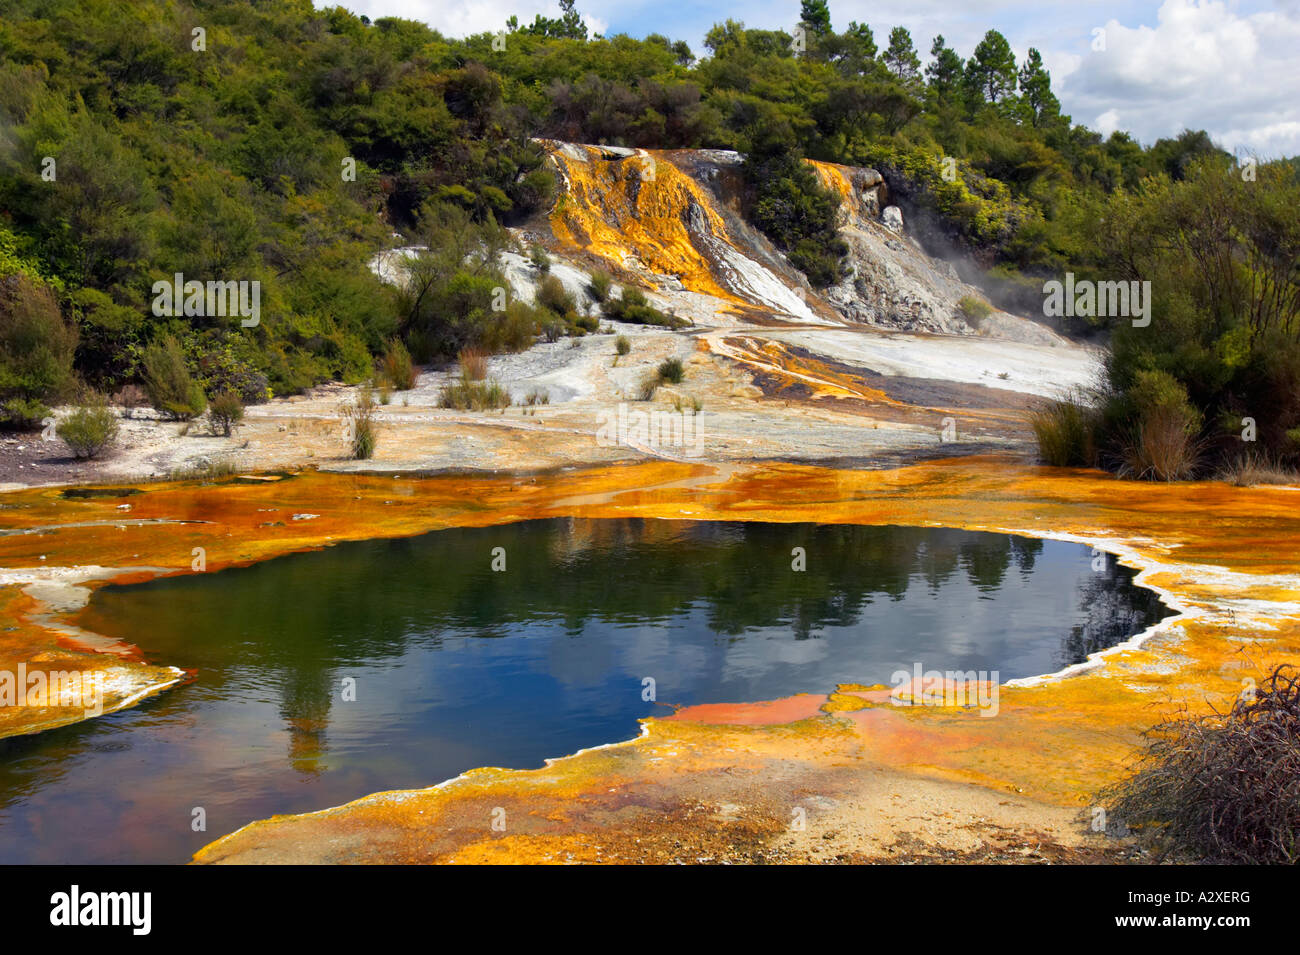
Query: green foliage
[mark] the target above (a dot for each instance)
(466, 394)
(36, 351)
(796, 212)
(172, 390)
(980, 209)
(991, 70)
(1066, 431)
(552, 294)
(900, 58)
(622, 345)
(456, 296)
(225, 412)
(974, 310)
(90, 430)
(1223, 341)
(632, 306)
(599, 286)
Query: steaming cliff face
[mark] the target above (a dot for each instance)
(669, 221)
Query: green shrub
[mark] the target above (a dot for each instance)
(225, 412)
(90, 430)
(36, 352)
(1162, 441)
(622, 345)
(167, 381)
(599, 286)
(974, 310)
(671, 371)
(552, 294)
(539, 259)
(632, 306)
(792, 208)
(23, 414)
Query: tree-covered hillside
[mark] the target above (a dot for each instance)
(265, 140)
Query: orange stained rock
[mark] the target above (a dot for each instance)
(802, 706)
(834, 177)
(637, 209)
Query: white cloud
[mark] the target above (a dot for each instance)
(1203, 66)
(458, 18)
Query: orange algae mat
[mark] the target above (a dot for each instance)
(1224, 556)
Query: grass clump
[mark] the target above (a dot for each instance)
(466, 394)
(89, 431)
(1253, 468)
(649, 385)
(622, 345)
(671, 371)
(396, 368)
(1066, 430)
(473, 364)
(1222, 788)
(360, 420)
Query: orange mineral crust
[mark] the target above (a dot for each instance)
(765, 781)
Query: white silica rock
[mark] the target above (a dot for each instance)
(892, 217)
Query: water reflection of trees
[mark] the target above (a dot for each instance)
(304, 620)
(1115, 610)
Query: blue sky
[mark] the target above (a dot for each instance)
(1228, 66)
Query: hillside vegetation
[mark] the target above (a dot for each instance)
(276, 143)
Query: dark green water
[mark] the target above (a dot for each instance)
(456, 666)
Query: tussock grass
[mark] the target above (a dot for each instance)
(1254, 468)
(1163, 447)
(1222, 788)
(1066, 430)
(473, 364)
(470, 395)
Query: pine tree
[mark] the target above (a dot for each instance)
(901, 58)
(1041, 105)
(944, 73)
(991, 70)
(815, 16)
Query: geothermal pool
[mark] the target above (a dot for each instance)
(394, 664)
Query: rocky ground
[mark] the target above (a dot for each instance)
(853, 395)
